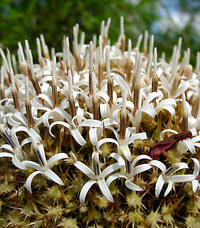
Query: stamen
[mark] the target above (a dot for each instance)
(14, 64)
(6, 136)
(100, 65)
(151, 44)
(136, 93)
(179, 46)
(54, 83)
(155, 77)
(196, 106)
(4, 59)
(24, 68)
(110, 91)
(106, 29)
(72, 105)
(37, 153)
(150, 58)
(128, 166)
(102, 28)
(32, 76)
(138, 72)
(175, 85)
(44, 47)
(95, 103)
(185, 114)
(95, 163)
(67, 53)
(28, 104)
(13, 84)
(123, 39)
(2, 89)
(94, 41)
(82, 39)
(21, 53)
(40, 59)
(108, 61)
(91, 67)
(75, 49)
(137, 48)
(123, 117)
(145, 42)
(27, 48)
(129, 64)
(172, 169)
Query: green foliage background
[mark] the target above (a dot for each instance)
(27, 19)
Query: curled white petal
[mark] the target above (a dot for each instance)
(132, 186)
(78, 137)
(169, 188)
(83, 168)
(56, 157)
(29, 180)
(105, 190)
(85, 190)
(54, 177)
(159, 184)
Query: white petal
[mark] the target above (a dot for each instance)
(124, 150)
(140, 136)
(32, 164)
(18, 163)
(118, 158)
(93, 135)
(196, 167)
(105, 190)
(91, 123)
(169, 188)
(149, 109)
(26, 141)
(21, 128)
(29, 180)
(6, 155)
(110, 169)
(7, 147)
(182, 178)
(14, 137)
(42, 153)
(158, 164)
(85, 190)
(21, 118)
(167, 130)
(83, 168)
(56, 157)
(78, 137)
(143, 156)
(104, 110)
(34, 135)
(114, 176)
(63, 113)
(132, 186)
(151, 96)
(46, 98)
(106, 140)
(141, 168)
(159, 184)
(190, 145)
(54, 177)
(60, 123)
(195, 184)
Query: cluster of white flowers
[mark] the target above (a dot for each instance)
(98, 90)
